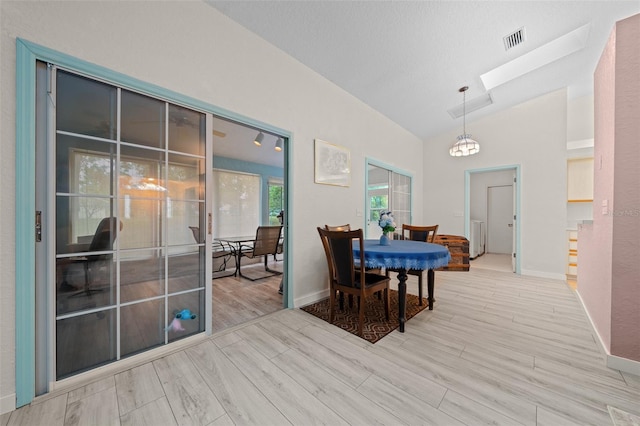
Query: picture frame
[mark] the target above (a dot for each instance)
(332, 164)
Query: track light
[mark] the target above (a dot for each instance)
(259, 138)
(279, 143)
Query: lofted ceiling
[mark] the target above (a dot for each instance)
(407, 59)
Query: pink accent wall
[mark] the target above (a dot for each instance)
(595, 242)
(608, 250)
(625, 289)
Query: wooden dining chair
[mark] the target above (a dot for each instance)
(265, 244)
(419, 233)
(343, 275)
(347, 227)
(426, 234)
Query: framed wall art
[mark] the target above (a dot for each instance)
(332, 164)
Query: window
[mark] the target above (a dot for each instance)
(276, 201)
(387, 190)
(236, 204)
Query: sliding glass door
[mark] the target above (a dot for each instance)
(129, 209)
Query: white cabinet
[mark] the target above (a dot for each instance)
(580, 180)
(476, 243)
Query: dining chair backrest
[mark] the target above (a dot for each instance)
(419, 233)
(346, 227)
(267, 239)
(338, 246)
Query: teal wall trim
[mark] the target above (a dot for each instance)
(467, 203)
(25, 223)
(27, 53)
(75, 64)
(287, 299)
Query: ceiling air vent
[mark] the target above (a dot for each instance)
(514, 39)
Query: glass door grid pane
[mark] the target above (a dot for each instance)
(159, 182)
(387, 190)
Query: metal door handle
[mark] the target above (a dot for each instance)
(510, 225)
(38, 226)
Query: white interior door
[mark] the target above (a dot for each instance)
(500, 219)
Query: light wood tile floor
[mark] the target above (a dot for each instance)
(498, 348)
(493, 261)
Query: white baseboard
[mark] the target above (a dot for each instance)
(612, 361)
(311, 298)
(8, 403)
(623, 364)
(541, 274)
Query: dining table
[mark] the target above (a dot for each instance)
(236, 243)
(402, 255)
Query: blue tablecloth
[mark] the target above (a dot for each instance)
(403, 254)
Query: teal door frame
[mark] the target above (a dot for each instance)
(467, 204)
(27, 53)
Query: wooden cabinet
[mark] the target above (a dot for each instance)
(572, 257)
(580, 180)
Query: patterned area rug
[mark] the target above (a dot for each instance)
(375, 324)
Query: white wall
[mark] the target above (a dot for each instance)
(532, 135)
(580, 131)
(478, 194)
(190, 48)
(580, 119)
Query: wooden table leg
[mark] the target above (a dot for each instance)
(430, 284)
(402, 298)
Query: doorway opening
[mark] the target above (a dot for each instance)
(492, 200)
(249, 192)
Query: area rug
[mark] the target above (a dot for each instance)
(375, 324)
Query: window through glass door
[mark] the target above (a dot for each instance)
(387, 190)
(130, 211)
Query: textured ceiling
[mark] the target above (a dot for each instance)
(407, 59)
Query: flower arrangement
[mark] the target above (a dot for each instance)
(386, 222)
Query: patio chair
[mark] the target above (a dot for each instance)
(265, 244)
(102, 241)
(219, 251)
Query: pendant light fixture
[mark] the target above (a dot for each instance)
(258, 139)
(279, 143)
(464, 146)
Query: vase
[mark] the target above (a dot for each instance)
(385, 240)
